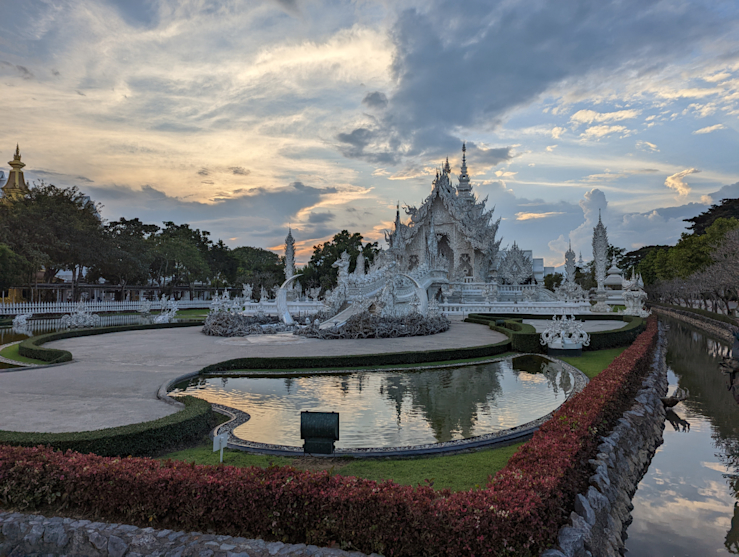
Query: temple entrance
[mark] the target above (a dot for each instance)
(446, 250)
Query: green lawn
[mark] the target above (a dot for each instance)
(457, 472)
(592, 363)
(197, 312)
(11, 352)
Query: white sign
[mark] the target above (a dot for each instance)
(219, 443)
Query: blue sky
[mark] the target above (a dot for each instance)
(242, 118)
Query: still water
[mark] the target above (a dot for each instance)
(688, 503)
(390, 408)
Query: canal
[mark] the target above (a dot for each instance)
(687, 504)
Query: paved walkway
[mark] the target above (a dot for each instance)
(115, 377)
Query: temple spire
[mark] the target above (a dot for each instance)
(464, 190)
(16, 185)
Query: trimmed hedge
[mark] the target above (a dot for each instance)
(362, 360)
(526, 339)
(31, 347)
(518, 513)
(142, 439)
(699, 312)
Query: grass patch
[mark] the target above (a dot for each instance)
(11, 352)
(196, 312)
(458, 472)
(592, 363)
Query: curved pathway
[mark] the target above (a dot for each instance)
(114, 377)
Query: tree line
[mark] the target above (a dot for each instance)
(53, 229)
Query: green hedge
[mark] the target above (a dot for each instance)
(362, 360)
(142, 439)
(31, 347)
(524, 338)
(701, 312)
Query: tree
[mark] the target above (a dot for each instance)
(728, 208)
(259, 267)
(224, 265)
(552, 281)
(53, 229)
(319, 270)
(12, 268)
(127, 253)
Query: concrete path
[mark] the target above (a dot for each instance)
(114, 378)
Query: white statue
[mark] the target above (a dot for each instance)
(564, 333)
(80, 319)
(600, 255)
(246, 291)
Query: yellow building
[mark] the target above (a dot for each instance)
(16, 185)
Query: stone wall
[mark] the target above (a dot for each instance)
(719, 329)
(602, 514)
(31, 535)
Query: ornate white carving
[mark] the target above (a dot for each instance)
(516, 266)
(600, 252)
(281, 299)
(565, 334)
(81, 318)
(634, 297)
(168, 310)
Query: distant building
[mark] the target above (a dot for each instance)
(15, 186)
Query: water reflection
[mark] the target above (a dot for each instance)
(386, 409)
(686, 504)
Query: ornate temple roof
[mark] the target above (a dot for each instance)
(16, 185)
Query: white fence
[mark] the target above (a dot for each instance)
(542, 308)
(92, 307)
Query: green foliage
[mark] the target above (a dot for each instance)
(53, 228)
(552, 281)
(319, 271)
(12, 268)
(143, 439)
(259, 267)
(691, 254)
(360, 360)
(32, 347)
(727, 209)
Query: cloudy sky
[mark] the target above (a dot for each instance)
(244, 117)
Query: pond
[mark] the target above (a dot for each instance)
(393, 408)
(688, 503)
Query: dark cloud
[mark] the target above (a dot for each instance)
(23, 71)
(473, 66)
(55, 73)
(81, 93)
(376, 99)
(203, 172)
(58, 178)
(487, 157)
(255, 216)
(320, 218)
(290, 6)
(137, 13)
(208, 182)
(240, 170)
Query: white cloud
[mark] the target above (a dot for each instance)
(557, 132)
(676, 182)
(647, 146)
(590, 116)
(598, 132)
(551, 148)
(529, 216)
(709, 129)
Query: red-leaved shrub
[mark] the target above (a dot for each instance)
(518, 513)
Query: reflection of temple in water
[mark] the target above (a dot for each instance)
(449, 399)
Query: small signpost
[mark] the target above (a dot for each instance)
(219, 443)
(319, 430)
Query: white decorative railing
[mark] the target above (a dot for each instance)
(92, 307)
(542, 308)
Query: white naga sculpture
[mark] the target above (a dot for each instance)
(80, 318)
(167, 310)
(565, 334)
(145, 307)
(600, 256)
(21, 325)
(634, 296)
